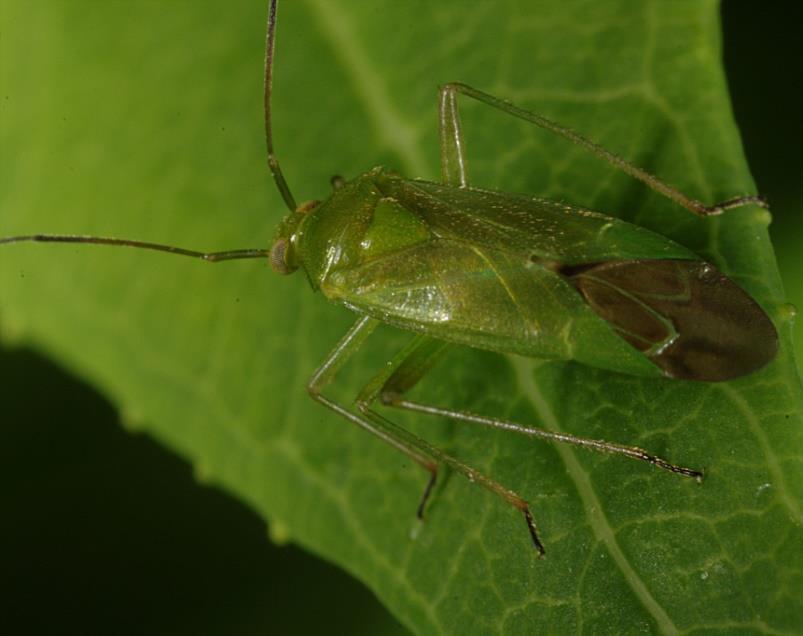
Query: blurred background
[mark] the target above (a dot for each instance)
(129, 564)
(764, 65)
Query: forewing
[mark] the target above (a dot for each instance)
(540, 229)
(686, 316)
(490, 299)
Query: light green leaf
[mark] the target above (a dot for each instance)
(143, 120)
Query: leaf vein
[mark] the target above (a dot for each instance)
(602, 529)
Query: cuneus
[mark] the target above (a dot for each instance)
(508, 273)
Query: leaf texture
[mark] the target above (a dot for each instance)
(144, 121)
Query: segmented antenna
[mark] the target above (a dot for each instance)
(273, 161)
(212, 257)
(273, 164)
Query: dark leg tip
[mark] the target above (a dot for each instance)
(539, 547)
(427, 492)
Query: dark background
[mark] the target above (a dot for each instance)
(120, 554)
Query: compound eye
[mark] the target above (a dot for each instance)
(278, 257)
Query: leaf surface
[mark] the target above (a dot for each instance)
(144, 121)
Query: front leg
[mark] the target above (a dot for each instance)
(417, 449)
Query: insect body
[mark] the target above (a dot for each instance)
(563, 283)
(502, 272)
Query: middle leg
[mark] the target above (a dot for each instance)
(390, 386)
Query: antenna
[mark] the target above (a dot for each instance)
(273, 161)
(212, 257)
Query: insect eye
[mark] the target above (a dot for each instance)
(278, 257)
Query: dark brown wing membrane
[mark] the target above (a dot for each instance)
(691, 320)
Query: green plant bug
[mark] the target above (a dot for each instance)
(508, 273)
